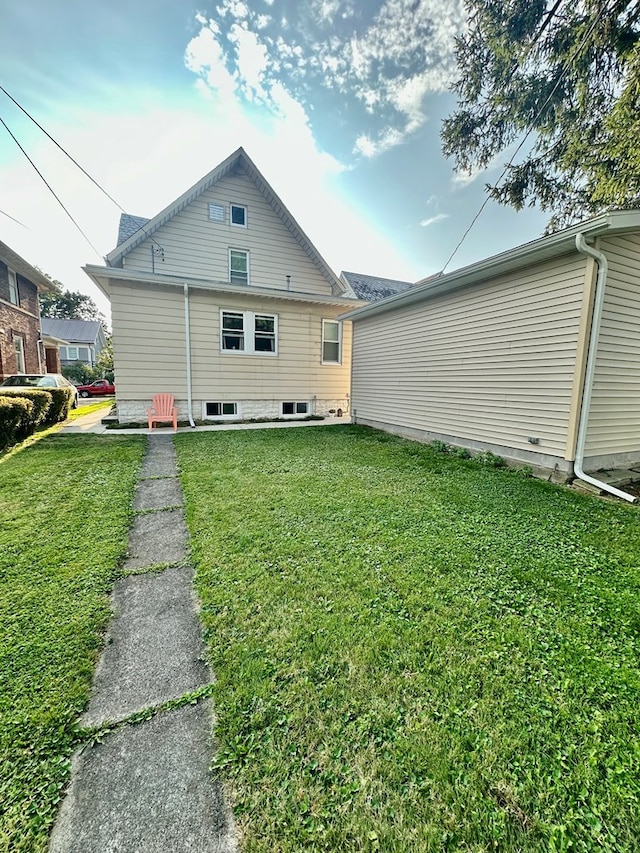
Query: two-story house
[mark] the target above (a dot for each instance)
(22, 348)
(224, 302)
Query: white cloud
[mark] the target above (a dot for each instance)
(425, 223)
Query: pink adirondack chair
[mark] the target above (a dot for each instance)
(162, 411)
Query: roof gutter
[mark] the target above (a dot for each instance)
(592, 353)
(187, 338)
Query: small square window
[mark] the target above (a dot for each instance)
(239, 215)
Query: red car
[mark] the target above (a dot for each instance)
(97, 389)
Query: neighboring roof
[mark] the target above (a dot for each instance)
(24, 268)
(52, 341)
(75, 331)
(239, 160)
(545, 248)
(372, 287)
(101, 276)
(129, 225)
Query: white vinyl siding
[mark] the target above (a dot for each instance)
(614, 421)
(197, 247)
(149, 348)
(492, 363)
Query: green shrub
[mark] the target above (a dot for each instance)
(486, 457)
(15, 412)
(41, 400)
(61, 399)
(439, 446)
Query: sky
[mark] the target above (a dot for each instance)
(338, 102)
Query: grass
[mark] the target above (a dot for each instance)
(414, 652)
(65, 511)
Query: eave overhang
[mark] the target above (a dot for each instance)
(546, 248)
(104, 276)
(19, 265)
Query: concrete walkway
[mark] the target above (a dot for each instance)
(146, 786)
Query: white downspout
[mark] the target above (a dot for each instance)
(187, 337)
(592, 352)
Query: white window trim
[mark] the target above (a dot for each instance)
(14, 293)
(249, 323)
(233, 204)
(296, 403)
(245, 252)
(235, 417)
(322, 343)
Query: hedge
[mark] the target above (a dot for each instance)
(42, 401)
(15, 412)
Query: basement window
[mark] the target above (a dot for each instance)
(220, 410)
(301, 408)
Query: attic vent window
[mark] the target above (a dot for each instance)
(216, 212)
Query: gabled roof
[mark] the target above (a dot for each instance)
(74, 331)
(19, 265)
(372, 287)
(545, 248)
(238, 161)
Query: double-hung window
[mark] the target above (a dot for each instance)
(331, 342)
(249, 332)
(14, 297)
(238, 266)
(18, 346)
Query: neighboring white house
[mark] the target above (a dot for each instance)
(224, 302)
(84, 339)
(510, 354)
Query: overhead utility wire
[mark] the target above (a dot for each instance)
(568, 62)
(48, 186)
(66, 153)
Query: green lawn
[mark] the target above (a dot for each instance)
(65, 511)
(414, 652)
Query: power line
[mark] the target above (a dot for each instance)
(51, 190)
(73, 160)
(509, 163)
(66, 153)
(12, 218)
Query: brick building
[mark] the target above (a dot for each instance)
(22, 349)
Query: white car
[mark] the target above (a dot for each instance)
(41, 380)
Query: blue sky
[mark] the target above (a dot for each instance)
(339, 104)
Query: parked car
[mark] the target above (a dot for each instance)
(97, 389)
(41, 380)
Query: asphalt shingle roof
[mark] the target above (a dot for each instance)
(74, 331)
(372, 287)
(129, 225)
